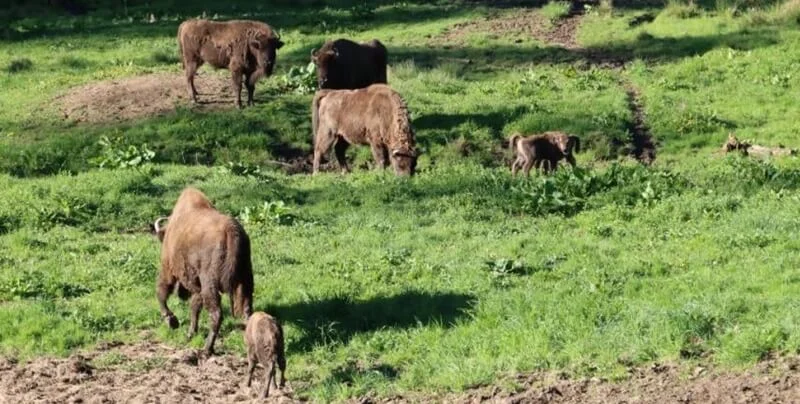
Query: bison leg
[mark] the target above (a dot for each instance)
(236, 77)
(251, 365)
(526, 167)
(380, 154)
(339, 149)
(269, 372)
(323, 140)
(211, 301)
(282, 368)
(196, 306)
(571, 160)
(191, 70)
(251, 88)
(516, 165)
(163, 290)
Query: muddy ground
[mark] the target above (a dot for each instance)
(149, 372)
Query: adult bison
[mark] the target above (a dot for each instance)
(246, 48)
(203, 253)
(376, 115)
(344, 64)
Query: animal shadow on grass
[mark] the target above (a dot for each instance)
(338, 319)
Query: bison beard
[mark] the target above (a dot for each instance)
(203, 253)
(344, 64)
(246, 48)
(375, 115)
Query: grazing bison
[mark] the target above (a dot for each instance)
(263, 337)
(203, 253)
(246, 48)
(544, 150)
(376, 115)
(344, 64)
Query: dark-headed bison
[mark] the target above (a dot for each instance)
(376, 115)
(203, 253)
(246, 48)
(344, 64)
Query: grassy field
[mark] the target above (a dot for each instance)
(461, 275)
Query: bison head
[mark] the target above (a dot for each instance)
(159, 231)
(324, 60)
(264, 50)
(404, 161)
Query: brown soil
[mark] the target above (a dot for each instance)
(151, 372)
(644, 149)
(519, 23)
(144, 372)
(142, 96)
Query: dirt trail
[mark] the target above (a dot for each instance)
(155, 373)
(563, 33)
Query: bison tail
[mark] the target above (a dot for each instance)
(512, 142)
(238, 273)
(577, 142)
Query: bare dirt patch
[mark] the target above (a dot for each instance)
(142, 96)
(520, 23)
(151, 372)
(774, 381)
(144, 372)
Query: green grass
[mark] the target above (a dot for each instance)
(459, 276)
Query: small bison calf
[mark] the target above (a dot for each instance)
(264, 339)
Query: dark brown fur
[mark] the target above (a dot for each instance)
(263, 338)
(344, 64)
(246, 48)
(204, 253)
(543, 150)
(376, 115)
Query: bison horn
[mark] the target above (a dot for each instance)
(314, 53)
(158, 228)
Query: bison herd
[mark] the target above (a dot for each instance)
(205, 253)
(354, 103)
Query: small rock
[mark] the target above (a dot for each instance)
(698, 371)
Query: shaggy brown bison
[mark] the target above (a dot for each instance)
(263, 338)
(344, 64)
(203, 253)
(376, 115)
(246, 48)
(544, 150)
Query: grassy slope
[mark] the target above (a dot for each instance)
(694, 257)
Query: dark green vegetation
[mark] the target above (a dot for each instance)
(460, 275)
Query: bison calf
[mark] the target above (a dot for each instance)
(246, 48)
(344, 64)
(263, 337)
(203, 253)
(376, 115)
(544, 150)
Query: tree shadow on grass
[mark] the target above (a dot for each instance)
(646, 47)
(134, 22)
(338, 319)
